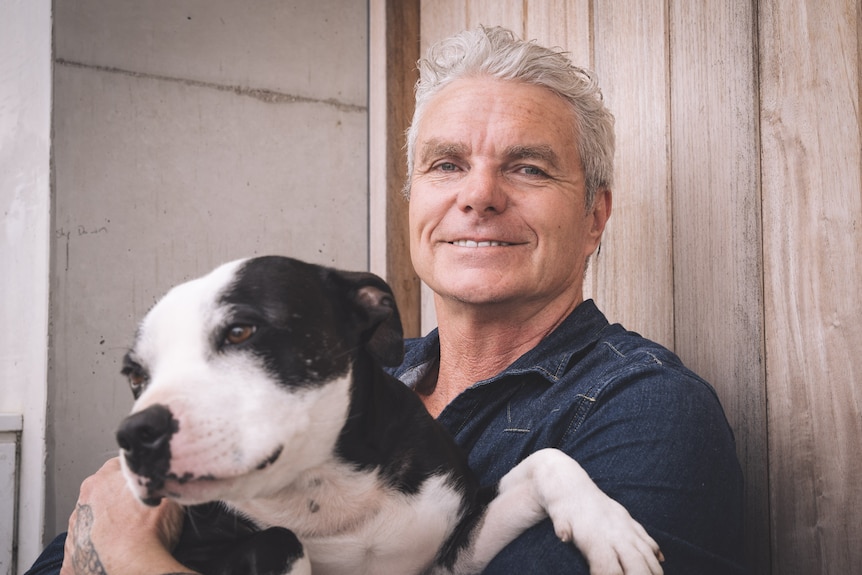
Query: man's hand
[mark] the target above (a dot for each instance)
(112, 533)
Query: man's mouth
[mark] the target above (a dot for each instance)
(475, 244)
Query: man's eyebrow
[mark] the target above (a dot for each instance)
(541, 152)
(441, 149)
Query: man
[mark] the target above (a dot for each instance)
(510, 159)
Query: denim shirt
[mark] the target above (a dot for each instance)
(647, 430)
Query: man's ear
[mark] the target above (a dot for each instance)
(375, 315)
(599, 216)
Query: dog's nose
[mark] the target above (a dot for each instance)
(145, 438)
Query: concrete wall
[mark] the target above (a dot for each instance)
(187, 134)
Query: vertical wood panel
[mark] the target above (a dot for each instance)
(508, 13)
(812, 223)
(441, 18)
(717, 241)
(561, 23)
(394, 38)
(631, 59)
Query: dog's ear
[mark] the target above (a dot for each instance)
(376, 315)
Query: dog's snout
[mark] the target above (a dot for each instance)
(145, 437)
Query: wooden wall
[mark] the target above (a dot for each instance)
(736, 237)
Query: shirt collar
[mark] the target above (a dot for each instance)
(551, 358)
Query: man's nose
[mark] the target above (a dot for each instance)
(483, 192)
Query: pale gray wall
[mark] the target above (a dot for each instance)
(187, 133)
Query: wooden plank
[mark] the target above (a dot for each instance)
(718, 296)
(440, 19)
(632, 60)
(506, 13)
(812, 224)
(561, 23)
(394, 50)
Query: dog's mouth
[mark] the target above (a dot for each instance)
(194, 488)
(270, 459)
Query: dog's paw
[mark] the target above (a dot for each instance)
(609, 538)
(612, 542)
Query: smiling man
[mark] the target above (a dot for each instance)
(510, 158)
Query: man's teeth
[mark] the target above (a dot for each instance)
(473, 244)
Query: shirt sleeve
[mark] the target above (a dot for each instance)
(655, 439)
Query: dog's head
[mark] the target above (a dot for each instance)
(244, 375)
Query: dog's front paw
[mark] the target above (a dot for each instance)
(612, 542)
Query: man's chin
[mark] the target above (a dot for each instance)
(480, 295)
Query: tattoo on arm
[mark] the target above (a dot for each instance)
(86, 559)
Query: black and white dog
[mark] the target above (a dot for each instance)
(259, 387)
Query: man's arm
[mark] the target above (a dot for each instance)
(111, 533)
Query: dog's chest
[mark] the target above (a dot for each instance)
(351, 524)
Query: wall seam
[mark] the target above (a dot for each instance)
(266, 96)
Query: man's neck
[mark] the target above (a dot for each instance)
(477, 343)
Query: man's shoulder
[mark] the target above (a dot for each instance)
(618, 346)
(622, 358)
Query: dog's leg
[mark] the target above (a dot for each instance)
(550, 483)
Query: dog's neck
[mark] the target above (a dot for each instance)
(389, 443)
(324, 501)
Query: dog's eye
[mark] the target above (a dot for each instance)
(137, 377)
(237, 334)
(137, 380)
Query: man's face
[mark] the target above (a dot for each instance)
(497, 212)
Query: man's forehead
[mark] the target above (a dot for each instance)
(504, 119)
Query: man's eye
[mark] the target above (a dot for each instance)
(237, 334)
(532, 171)
(446, 167)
